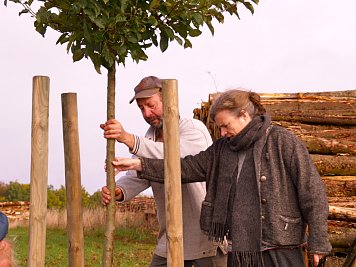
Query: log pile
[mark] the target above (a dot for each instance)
(326, 123)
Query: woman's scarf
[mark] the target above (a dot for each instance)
(237, 206)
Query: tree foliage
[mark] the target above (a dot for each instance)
(56, 198)
(107, 31)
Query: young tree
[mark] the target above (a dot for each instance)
(107, 31)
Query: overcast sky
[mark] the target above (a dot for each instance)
(286, 46)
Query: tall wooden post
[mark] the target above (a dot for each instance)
(39, 172)
(73, 180)
(172, 173)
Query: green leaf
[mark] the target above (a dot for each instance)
(132, 39)
(40, 28)
(187, 44)
(179, 40)
(107, 55)
(78, 54)
(62, 39)
(154, 4)
(210, 26)
(256, 1)
(169, 32)
(24, 11)
(198, 18)
(154, 40)
(163, 43)
(123, 5)
(249, 6)
(194, 32)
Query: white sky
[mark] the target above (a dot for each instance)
(286, 46)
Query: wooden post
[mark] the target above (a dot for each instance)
(73, 180)
(39, 172)
(172, 172)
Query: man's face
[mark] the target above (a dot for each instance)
(152, 110)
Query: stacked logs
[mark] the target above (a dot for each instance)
(326, 123)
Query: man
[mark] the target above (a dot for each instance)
(194, 137)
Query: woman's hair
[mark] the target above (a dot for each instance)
(237, 100)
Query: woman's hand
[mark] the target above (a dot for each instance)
(317, 259)
(125, 164)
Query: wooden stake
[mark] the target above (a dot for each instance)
(39, 172)
(172, 172)
(73, 180)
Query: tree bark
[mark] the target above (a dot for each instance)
(335, 165)
(342, 238)
(341, 133)
(314, 119)
(340, 186)
(333, 107)
(316, 145)
(342, 214)
(107, 260)
(337, 94)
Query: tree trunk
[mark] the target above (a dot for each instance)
(335, 165)
(336, 94)
(340, 186)
(342, 214)
(341, 133)
(314, 119)
(107, 260)
(341, 240)
(349, 202)
(333, 107)
(316, 145)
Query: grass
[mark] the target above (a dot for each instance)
(132, 247)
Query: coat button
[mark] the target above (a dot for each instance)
(263, 201)
(262, 217)
(263, 178)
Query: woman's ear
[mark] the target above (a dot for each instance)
(245, 116)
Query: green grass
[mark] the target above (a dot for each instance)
(132, 247)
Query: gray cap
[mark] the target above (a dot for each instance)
(4, 225)
(147, 87)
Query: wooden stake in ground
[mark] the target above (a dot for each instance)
(73, 180)
(172, 174)
(39, 172)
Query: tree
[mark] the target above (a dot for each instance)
(107, 31)
(56, 198)
(17, 192)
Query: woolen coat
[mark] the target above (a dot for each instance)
(290, 188)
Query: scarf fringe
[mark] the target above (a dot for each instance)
(247, 259)
(217, 232)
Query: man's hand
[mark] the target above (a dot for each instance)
(114, 130)
(105, 195)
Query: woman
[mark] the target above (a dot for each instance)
(262, 186)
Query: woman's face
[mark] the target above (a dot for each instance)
(230, 124)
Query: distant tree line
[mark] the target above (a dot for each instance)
(56, 198)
